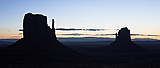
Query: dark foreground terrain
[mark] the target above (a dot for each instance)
(99, 58)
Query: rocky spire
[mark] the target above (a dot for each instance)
(53, 29)
(52, 24)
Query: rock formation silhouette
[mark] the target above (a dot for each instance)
(123, 42)
(39, 43)
(35, 28)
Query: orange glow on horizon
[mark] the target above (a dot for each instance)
(80, 36)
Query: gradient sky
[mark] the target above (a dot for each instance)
(140, 16)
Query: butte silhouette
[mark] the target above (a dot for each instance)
(123, 42)
(39, 43)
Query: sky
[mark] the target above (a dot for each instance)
(142, 17)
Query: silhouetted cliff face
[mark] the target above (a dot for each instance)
(39, 43)
(123, 42)
(124, 35)
(35, 28)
